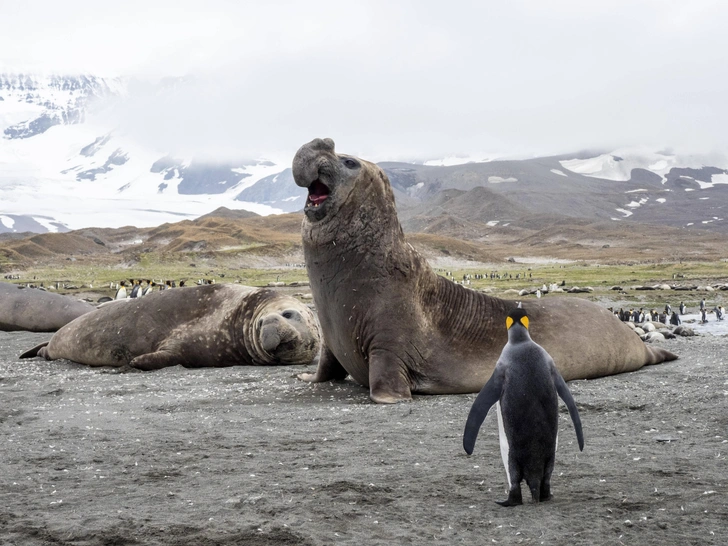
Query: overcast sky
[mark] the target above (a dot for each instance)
(396, 79)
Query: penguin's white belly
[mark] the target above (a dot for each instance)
(503, 440)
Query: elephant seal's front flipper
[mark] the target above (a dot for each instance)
(387, 382)
(328, 369)
(155, 361)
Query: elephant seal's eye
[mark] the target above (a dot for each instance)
(351, 163)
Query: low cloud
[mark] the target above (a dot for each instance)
(416, 81)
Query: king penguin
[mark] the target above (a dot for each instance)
(524, 388)
(136, 289)
(121, 292)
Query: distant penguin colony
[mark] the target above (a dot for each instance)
(139, 289)
(524, 388)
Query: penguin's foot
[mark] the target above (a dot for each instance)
(514, 498)
(507, 503)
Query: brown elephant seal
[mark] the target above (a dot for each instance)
(214, 325)
(396, 326)
(36, 310)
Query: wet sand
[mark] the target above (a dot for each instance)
(254, 456)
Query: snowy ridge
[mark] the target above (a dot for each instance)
(70, 171)
(618, 164)
(460, 160)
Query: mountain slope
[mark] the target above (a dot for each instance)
(64, 167)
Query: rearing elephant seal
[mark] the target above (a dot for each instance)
(37, 310)
(396, 326)
(213, 325)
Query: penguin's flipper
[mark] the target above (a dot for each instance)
(488, 396)
(565, 395)
(35, 351)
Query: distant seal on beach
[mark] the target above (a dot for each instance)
(213, 325)
(394, 325)
(36, 310)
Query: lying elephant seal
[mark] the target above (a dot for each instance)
(213, 325)
(396, 326)
(37, 310)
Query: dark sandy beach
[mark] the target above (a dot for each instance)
(254, 456)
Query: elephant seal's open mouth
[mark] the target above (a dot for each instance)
(318, 192)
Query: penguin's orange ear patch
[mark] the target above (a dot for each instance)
(524, 321)
(509, 323)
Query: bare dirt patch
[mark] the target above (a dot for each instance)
(253, 456)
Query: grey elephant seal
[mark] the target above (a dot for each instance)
(204, 326)
(524, 388)
(396, 326)
(37, 310)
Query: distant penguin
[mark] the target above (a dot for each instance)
(703, 315)
(148, 289)
(121, 292)
(524, 388)
(683, 309)
(136, 289)
(702, 304)
(675, 319)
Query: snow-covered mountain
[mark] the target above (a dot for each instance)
(630, 184)
(63, 167)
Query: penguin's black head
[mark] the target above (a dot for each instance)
(517, 316)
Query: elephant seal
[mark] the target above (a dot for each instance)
(37, 310)
(394, 325)
(214, 325)
(524, 388)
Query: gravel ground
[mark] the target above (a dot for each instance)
(253, 456)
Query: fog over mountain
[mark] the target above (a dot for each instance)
(168, 110)
(64, 165)
(411, 80)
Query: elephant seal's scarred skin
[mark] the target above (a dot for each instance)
(37, 310)
(396, 326)
(213, 325)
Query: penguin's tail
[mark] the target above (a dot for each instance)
(35, 351)
(658, 355)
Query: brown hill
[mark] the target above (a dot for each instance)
(50, 245)
(451, 234)
(224, 212)
(210, 235)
